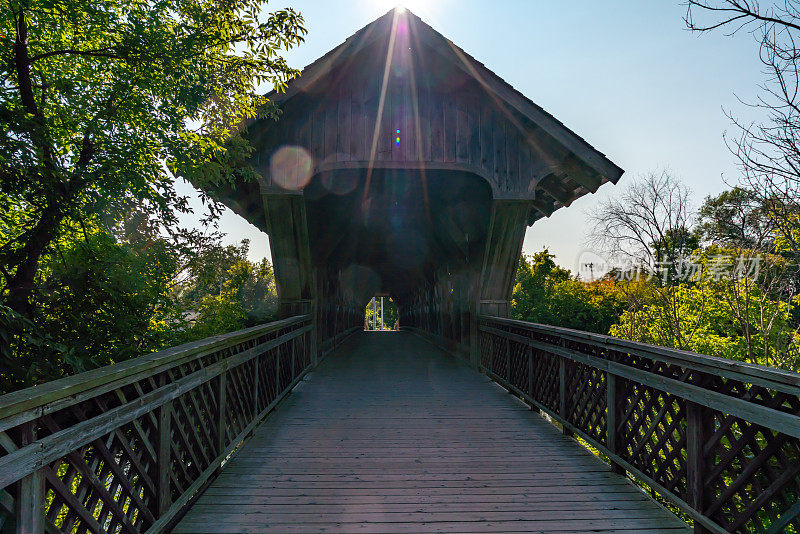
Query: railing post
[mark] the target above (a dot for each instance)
(491, 352)
(474, 335)
(294, 346)
(222, 408)
(562, 394)
(164, 416)
(530, 376)
(508, 361)
(311, 345)
(699, 424)
(612, 418)
(255, 386)
(277, 372)
(30, 501)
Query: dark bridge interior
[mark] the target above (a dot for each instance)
(398, 230)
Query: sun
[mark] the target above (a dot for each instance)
(423, 8)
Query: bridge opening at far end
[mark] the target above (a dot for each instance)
(381, 314)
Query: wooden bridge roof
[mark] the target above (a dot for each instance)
(555, 166)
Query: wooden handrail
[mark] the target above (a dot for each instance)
(58, 393)
(127, 447)
(719, 439)
(770, 376)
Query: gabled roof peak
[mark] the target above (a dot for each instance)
(498, 89)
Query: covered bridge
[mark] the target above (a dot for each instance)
(402, 166)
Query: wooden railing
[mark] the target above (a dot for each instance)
(127, 447)
(718, 438)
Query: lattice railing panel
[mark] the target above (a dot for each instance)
(286, 366)
(719, 438)
(586, 404)
(241, 389)
(545, 379)
(267, 378)
(748, 464)
(108, 482)
(652, 434)
(518, 366)
(122, 449)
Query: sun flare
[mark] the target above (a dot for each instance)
(423, 8)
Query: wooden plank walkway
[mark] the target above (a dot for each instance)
(392, 435)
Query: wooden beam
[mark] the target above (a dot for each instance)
(543, 208)
(552, 184)
(582, 173)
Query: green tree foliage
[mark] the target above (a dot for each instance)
(104, 296)
(730, 318)
(549, 294)
(103, 102)
(735, 218)
(102, 105)
(107, 296)
(727, 286)
(227, 292)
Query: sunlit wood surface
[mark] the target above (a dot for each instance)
(392, 435)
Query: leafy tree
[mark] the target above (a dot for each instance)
(209, 269)
(103, 298)
(225, 291)
(650, 224)
(735, 218)
(547, 293)
(671, 250)
(217, 314)
(253, 285)
(726, 317)
(390, 313)
(111, 295)
(533, 286)
(104, 102)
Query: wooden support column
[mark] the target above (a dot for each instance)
(502, 249)
(291, 253)
(30, 500)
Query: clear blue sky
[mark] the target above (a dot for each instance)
(625, 75)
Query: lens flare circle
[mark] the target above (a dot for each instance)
(290, 167)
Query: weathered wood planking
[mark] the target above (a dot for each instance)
(391, 435)
(436, 130)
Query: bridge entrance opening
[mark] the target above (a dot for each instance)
(381, 314)
(395, 232)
